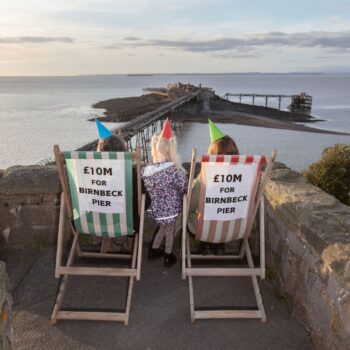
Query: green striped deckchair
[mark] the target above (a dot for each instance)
(97, 200)
(98, 223)
(231, 192)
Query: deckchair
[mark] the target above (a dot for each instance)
(231, 192)
(97, 200)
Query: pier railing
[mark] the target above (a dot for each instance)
(139, 131)
(298, 103)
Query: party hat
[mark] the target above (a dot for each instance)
(215, 132)
(166, 132)
(103, 132)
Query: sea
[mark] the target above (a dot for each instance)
(39, 112)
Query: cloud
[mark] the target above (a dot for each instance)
(231, 55)
(34, 39)
(313, 39)
(132, 38)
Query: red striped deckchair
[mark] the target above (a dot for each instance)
(97, 199)
(231, 192)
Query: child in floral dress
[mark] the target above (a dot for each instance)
(166, 182)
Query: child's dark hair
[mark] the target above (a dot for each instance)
(111, 144)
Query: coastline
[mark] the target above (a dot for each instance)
(219, 110)
(124, 109)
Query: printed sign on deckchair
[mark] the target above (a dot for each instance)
(101, 190)
(97, 199)
(231, 192)
(229, 184)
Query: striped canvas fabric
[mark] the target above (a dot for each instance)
(215, 231)
(101, 223)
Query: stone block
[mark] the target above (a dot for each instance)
(5, 310)
(295, 244)
(273, 237)
(34, 179)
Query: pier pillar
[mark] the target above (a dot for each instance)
(253, 99)
(279, 102)
(240, 98)
(266, 98)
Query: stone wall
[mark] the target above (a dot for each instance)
(308, 255)
(29, 206)
(307, 251)
(5, 310)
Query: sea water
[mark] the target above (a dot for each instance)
(38, 112)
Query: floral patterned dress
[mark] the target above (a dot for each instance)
(165, 184)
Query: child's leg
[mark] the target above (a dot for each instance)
(169, 237)
(158, 238)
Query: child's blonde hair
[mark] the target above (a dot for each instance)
(164, 150)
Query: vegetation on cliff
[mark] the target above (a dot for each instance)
(332, 172)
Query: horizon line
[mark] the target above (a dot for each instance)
(151, 74)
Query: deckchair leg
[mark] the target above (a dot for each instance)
(140, 240)
(262, 237)
(183, 237)
(255, 283)
(131, 283)
(128, 301)
(241, 250)
(79, 251)
(190, 280)
(190, 286)
(63, 284)
(60, 236)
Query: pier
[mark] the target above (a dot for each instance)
(138, 132)
(298, 103)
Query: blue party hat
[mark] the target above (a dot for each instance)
(102, 130)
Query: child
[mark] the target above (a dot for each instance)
(112, 143)
(220, 143)
(166, 182)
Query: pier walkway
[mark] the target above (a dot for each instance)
(138, 132)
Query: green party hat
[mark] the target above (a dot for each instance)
(215, 132)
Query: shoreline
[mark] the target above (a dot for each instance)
(126, 109)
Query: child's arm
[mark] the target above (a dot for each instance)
(182, 181)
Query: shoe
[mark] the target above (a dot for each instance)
(169, 260)
(154, 254)
(203, 248)
(219, 249)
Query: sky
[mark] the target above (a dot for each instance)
(73, 37)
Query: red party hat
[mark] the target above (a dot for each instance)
(166, 132)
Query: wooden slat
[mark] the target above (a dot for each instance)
(140, 243)
(63, 285)
(183, 237)
(223, 272)
(90, 316)
(227, 314)
(60, 236)
(98, 271)
(63, 179)
(262, 237)
(105, 255)
(255, 283)
(214, 257)
(131, 280)
(137, 158)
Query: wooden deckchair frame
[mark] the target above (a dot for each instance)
(251, 270)
(69, 269)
